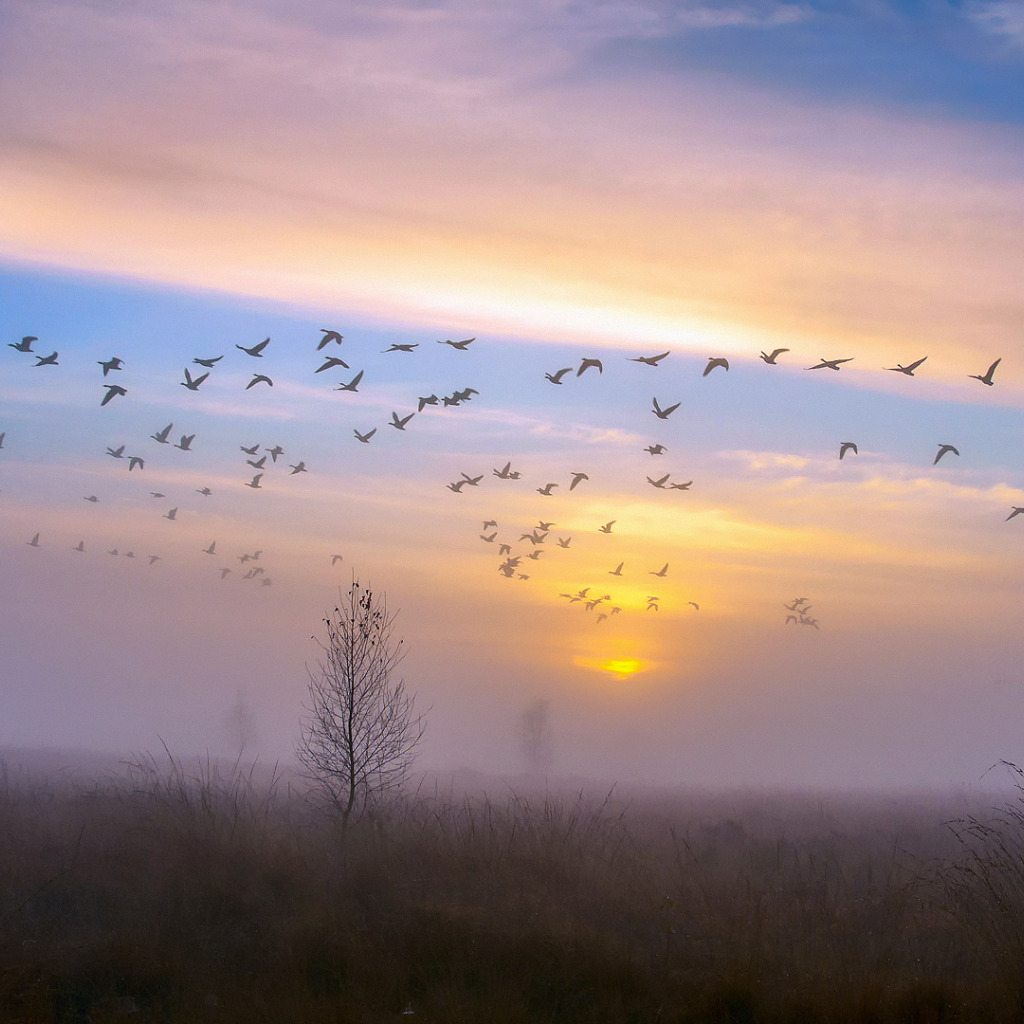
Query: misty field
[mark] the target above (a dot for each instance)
(173, 894)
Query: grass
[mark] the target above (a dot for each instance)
(196, 894)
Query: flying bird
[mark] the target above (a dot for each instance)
(847, 446)
(396, 347)
(256, 350)
(422, 403)
(117, 453)
(770, 357)
(328, 337)
(943, 448)
(154, 558)
(457, 486)
(185, 444)
(112, 391)
(564, 542)
(655, 449)
(681, 487)
(576, 478)
(92, 498)
(249, 451)
(136, 462)
(50, 360)
(224, 572)
(335, 559)
(909, 369)
(254, 483)
(661, 572)
(210, 549)
(80, 546)
(204, 491)
(986, 377)
(400, 423)
(329, 363)
(162, 435)
(353, 384)
(208, 363)
(172, 513)
(365, 438)
(259, 378)
(546, 490)
(34, 542)
(831, 364)
(460, 345)
(607, 528)
(660, 482)
(257, 463)
(113, 363)
(192, 383)
(25, 345)
(663, 414)
(617, 571)
(473, 481)
(648, 360)
(1017, 510)
(274, 452)
(489, 537)
(586, 364)
(556, 377)
(715, 361)
(299, 467)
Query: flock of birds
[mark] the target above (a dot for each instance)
(513, 557)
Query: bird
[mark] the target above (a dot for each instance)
(154, 558)
(489, 537)
(80, 546)
(847, 446)
(34, 542)
(422, 403)
(172, 513)
(299, 467)
(587, 364)
(365, 438)
(714, 361)
(457, 486)
(328, 337)
(696, 607)
(943, 448)
(663, 414)
(660, 482)
(464, 394)
(259, 378)
(681, 487)
(607, 528)
(254, 483)
(208, 363)
(224, 572)
(831, 364)
(113, 551)
(257, 463)
(157, 494)
(1017, 510)
(398, 347)
(113, 363)
(92, 498)
(3, 434)
(335, 559)
(576, 478)
(473, 481)
(460, 345)
(50, 360)
(488, 523)
(117, 453)
(543, 526)
(329, 363)
(503, 473)
(617, 571)
(770, 357)
(546, 490)
(112, 391)
(556, 377)
(564, 542)
(162, 435)
(25, 345)
(210, 549)
(185, 444)
(648, 360)
(400, 423)
(909, 369)
(192, 383)
(249, 451)
(353, 384)
(274, 452)
(136, 462)
(204, 491)
(256, 350)
(661, 572)
(986, 377)
(656, 449)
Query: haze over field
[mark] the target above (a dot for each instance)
(559, 183)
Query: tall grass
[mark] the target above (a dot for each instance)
(199, 893)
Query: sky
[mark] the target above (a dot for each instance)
(560, 182)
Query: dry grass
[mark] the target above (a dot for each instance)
(194, 894)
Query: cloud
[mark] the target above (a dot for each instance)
(1000, 17)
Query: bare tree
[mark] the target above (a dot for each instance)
(359, 739)
(536, 742)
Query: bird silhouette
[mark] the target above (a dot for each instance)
(396, 347)
(564, 542)
(607, 528)
(461, 346)
(335, 559)
(546, 490)
(713, 362)
(91, 498)
(254, 483)
(648, 360)
(365, 438)
(299, 467)
(770, 357)
(117, 453)
(162, 435)
(617, 571)
(328, 337)
(34, 542)
(943, 448)
(50, 360)
(172, 513)
(587, 364)
(208, 363)
(830, 364)
(185, 444)
(259, 378)
(556, 377)
(204, 491)
(847, 446)
(136, 462)
(353, 384)
(423, 402)
(274, 452)
(400, 423)
(192, 383)
(1017, 510)
(576, 478)
(25, 345)
(257, 463)
(681, 487)
(329, 363)
(909, 368)
(660, 482)
(473, 481)
(661, 572)
(457, 486)
(113, 363)
(256, 350)
(112, 391)
(663, 414)
(80, 546)
(249, 451)
(224, 572)
(656, 449)
(986, 377)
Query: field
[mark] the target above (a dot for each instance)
(192, 893)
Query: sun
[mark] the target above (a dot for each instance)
(620, 668)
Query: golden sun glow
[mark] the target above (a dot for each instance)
(621, 668)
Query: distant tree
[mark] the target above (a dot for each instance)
(359, 738)
(536, 743)
(240, 723)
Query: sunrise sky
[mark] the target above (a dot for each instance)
(559, 181)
